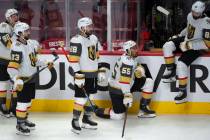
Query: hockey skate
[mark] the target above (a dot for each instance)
(181, 97)
(12, 113)
(75, 126)
(146, 112)
(4, 113)
(100, 112)
(22, 129)
(87, 123)
(30, 125)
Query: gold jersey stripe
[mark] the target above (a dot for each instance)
(14, 65)
(182, 81)
(146, 95)
(21, 114)
(125, 80)
(3, 94)
(169, 60)
(89, 70)
(78, 106)
(73, 58)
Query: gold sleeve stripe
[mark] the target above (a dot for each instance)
(78, 106)
(9, 44)
(146, 96)
(73, 58)
(182, 81)
(14, 65)
(169, 60)
(3, 93)
(207, 42)
(21, 114)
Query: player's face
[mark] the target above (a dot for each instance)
(27, 34)
(134, 52)
(13, 19)
(89, 30)
(196, 15)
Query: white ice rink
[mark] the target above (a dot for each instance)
(57, 126)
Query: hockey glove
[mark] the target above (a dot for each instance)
(79, 80)
(128, 99)
(50, 65)
(139, 72)
(186, 45)
(18, 83)
(101, 75)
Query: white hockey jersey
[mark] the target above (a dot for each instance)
(196, 31)
(84, 55)
(123, 73)
(24, 60)
(6, 31)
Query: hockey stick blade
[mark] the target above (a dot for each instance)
(91, 104)
(163, 10)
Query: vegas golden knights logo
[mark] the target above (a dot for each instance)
(33, 59)
(92, 52)
(190, 31)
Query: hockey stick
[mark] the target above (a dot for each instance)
(65, 53)
(125, 120)
(32, 76)
(91, 103)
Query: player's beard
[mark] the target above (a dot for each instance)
(195, 18)
(88, 33)
(134, 54)
(27, 37)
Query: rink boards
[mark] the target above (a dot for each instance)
(53, 93)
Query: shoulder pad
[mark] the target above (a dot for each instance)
(5, 28)
(76, 39)
(208, 20)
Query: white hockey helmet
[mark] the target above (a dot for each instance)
(20, 27)
(128, 44)
(83, 22)
(198, 7)
(10, 12)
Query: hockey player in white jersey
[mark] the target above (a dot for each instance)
(191, 44)
(83, 58)
(22, 65)
(127, 77)
(195, 44)
(6, 33)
